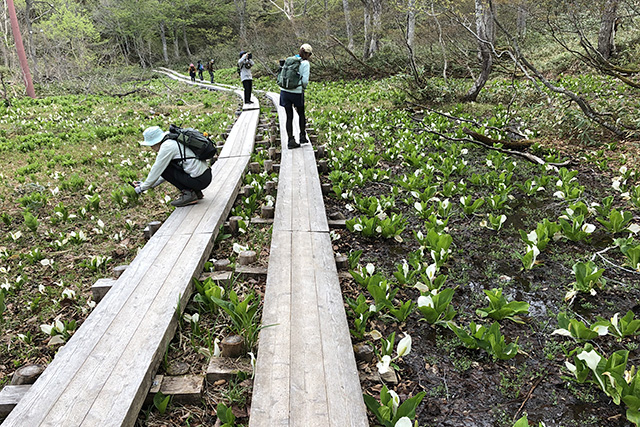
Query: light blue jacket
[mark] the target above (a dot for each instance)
(305, 71)
(169, 150)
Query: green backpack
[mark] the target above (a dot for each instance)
(289, 75)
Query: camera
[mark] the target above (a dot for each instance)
(249, 55)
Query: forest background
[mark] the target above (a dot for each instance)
(67, 39)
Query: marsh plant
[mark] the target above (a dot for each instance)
(389, 411)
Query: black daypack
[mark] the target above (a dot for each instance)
(289, 75)
(201, 145)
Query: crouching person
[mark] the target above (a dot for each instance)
(176, 164)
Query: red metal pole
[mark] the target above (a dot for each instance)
(20, 48)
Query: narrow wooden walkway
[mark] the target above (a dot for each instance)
(102, 375)
(306, 374)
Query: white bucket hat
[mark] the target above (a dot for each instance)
(152, 136)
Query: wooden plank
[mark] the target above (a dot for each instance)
(72, 405)
(308, 389)
(46, 390)
(346, 405)
(284, 200)
(10, 396)
(300, 220)
(125, 389)
(317, 213)
(100, 288)
(270, 402)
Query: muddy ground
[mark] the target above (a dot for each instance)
(469, 387)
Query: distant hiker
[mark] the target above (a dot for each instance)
(176, 164)
(192, 72)
(293, 80)
(210, 69)
(244, 68)
(200, 70)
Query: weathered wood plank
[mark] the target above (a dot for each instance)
(100, 288)
(125, 389)
(300, 202)
(71, 357)
(308, 384)
(284, 201)
(317, 212)
(10, 396)
(243, 135)
(346, 405)
(270, 404)
(87, 381)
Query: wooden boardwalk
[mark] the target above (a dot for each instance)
(103, 374)
(306, 374)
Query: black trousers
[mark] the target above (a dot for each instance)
(175, 175)
(290, 100)
(248, 85)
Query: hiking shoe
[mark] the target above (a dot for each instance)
(292, 145)
(303, 139)
(187, 197)
(199, 194)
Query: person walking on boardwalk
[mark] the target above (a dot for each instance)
(210, 68)
(176, 164)
(244, 68)
(200, 68)
(292, 94)
(192, 72)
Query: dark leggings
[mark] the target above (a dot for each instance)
(301, 120)
(288, 101)
(183, 181)
(248, 85)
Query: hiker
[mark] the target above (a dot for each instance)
(244, 68)
(210, 69)
(177, 164)
(200, 70)
(192, 72)
(294, 97)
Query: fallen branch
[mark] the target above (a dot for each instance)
(537, 383)
(528, 156)
(513, 145)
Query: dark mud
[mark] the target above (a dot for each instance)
(469, 387)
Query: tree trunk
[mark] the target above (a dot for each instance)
(485, 31)
(176, 45)
(241, 10)
(521, 21)
(31, 45)
(26, 74)
(186, 41)
(411, 22)
(441, 42)
(163, 36)
(4, 30)
(349, 28)
(366, 21)
(376, 27)
(606, 36)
